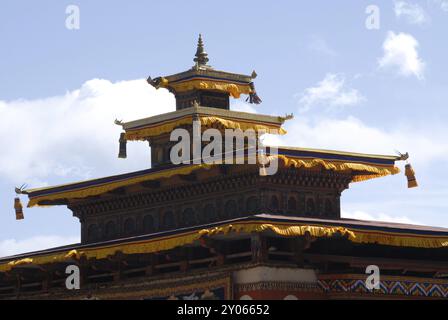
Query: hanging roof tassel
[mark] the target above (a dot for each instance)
(122, 150)
(18, 209)
(253, 97)
(408, 171)
(410, 175)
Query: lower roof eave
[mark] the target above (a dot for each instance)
(355, 230)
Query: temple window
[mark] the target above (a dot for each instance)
(188, 217)
(148, 224)
(292, 204)
(230, 209)
(209, 213)
(93, 233)
(129, 226)
(252, 205)
(168, 220)
(310, 207)
(301, 203)
(111, 230)
(274, 203)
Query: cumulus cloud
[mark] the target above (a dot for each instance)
(352, 134)
(73, 135)
(400, 52)
(331, 92)
(413, 13)
(362, 215)
(443, 4)
(10, 247)
(238, 105)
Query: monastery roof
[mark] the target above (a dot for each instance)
(210, 117)
(209, 73)
(204, 77)
(360, 166)
(203, 111)
(356, 231)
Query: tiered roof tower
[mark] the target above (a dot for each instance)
(158, 230)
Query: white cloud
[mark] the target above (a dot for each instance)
(400, 51)
(332, 92)
(238, 105)
(74, 134)
(443, 4)
(362, 215)
(413, 13)
(351, 134)
(10, 247)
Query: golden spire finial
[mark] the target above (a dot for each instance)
(201, 56)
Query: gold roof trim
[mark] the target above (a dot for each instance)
(200, 110)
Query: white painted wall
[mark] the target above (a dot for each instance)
(264, 273)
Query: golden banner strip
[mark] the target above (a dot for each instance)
(359, 171)
(103, 188)
(235, 90)
(282, 229)
(366, 171)
(207, 121)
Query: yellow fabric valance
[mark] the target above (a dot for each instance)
(206, 121)
(280, 229)
(45, 259)
(401, 240)
(243, 125)
(360, 171)
(97, 189)
(235, 90)
(283, 229)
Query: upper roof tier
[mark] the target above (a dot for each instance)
(205, 85)
(146, 128)
(360, 167)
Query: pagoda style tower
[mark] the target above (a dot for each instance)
(206, 86)
(215, 230)
(170, 196)
(202, 93)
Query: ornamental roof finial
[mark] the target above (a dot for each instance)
(201, 56)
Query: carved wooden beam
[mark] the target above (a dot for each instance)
(118, 191)
(152, 184)
(192, 177)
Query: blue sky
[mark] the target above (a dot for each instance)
(350, 88)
